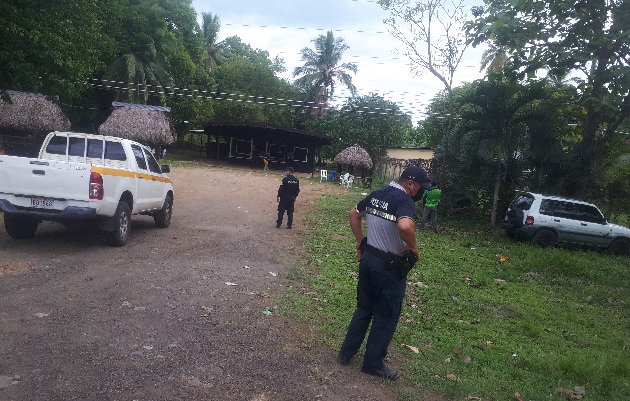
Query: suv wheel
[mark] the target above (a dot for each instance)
(545, 238)
(620, 246)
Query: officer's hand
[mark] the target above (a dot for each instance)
(409, 248)
(358, 253)
(278, 199)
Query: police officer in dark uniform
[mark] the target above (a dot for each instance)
(389, 214)
(288, 191)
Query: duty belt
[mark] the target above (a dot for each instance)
(401, 263)
(385, 256)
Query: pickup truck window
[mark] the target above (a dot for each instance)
(115, 151)
(95, 148)
(154, 167)
(137, 152)
(57, 145)
(76, 146)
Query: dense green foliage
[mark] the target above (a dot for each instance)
(587, 39)
(140, 51)
(513, 135)
(370, 121)
(51, 46)
(490, 317)
(154, 52)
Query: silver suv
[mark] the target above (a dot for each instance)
(548, 220)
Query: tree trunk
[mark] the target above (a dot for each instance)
(495, 198)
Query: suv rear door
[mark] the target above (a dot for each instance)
(516, 213)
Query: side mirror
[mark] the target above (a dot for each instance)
(165, 168)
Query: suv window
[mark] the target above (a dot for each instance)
(589, 213)
(570, 210)
(546, 207)
(523, 202)
(565, 210)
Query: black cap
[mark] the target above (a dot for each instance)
(291, 169)
(417, 174)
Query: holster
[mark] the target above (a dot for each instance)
(407, 262)
(400, 263)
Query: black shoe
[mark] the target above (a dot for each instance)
(384, 372)
(289, 227)
(342, 359)
(277, 225)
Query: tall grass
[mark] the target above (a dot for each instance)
(489, 316)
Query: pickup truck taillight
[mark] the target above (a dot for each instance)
(529, 221)
(96, 186)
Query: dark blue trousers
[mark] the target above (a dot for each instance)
(380, 294)
(289, 206)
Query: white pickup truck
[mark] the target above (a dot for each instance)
(82, 178)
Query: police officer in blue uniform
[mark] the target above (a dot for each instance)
(391, 233)
(287, 193)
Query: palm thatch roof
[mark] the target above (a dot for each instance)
(140, 123)
(354, 155)
(30, 113)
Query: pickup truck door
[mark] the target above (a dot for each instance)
(144, 182)
(158, 190)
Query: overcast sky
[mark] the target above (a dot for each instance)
(283, 27)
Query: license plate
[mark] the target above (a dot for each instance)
(43, 203)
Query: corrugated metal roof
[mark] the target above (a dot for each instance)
(141, 106)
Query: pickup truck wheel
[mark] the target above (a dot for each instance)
(122, 226)
(620, 246)
(545, 238)
(163, 217)
(19, 226)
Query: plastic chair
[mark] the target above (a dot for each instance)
(323, 175)
(333, 174)
(344, 179)
(349, 181)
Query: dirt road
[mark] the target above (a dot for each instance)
(177, 314)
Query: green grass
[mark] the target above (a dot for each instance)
(540, 320)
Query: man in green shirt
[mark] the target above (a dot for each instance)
(431, 200)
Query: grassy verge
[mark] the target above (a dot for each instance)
(489, 317)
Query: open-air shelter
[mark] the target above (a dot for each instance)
(247, 144)
(142, 123)
(25, 118)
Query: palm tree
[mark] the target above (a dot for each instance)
(142, 73)
(503, 123)
(494, 58)
(142, 68)
(323, 68)
(210, 27)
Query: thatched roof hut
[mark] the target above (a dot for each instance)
(354, 155)
(30, 114)
(140, 123)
